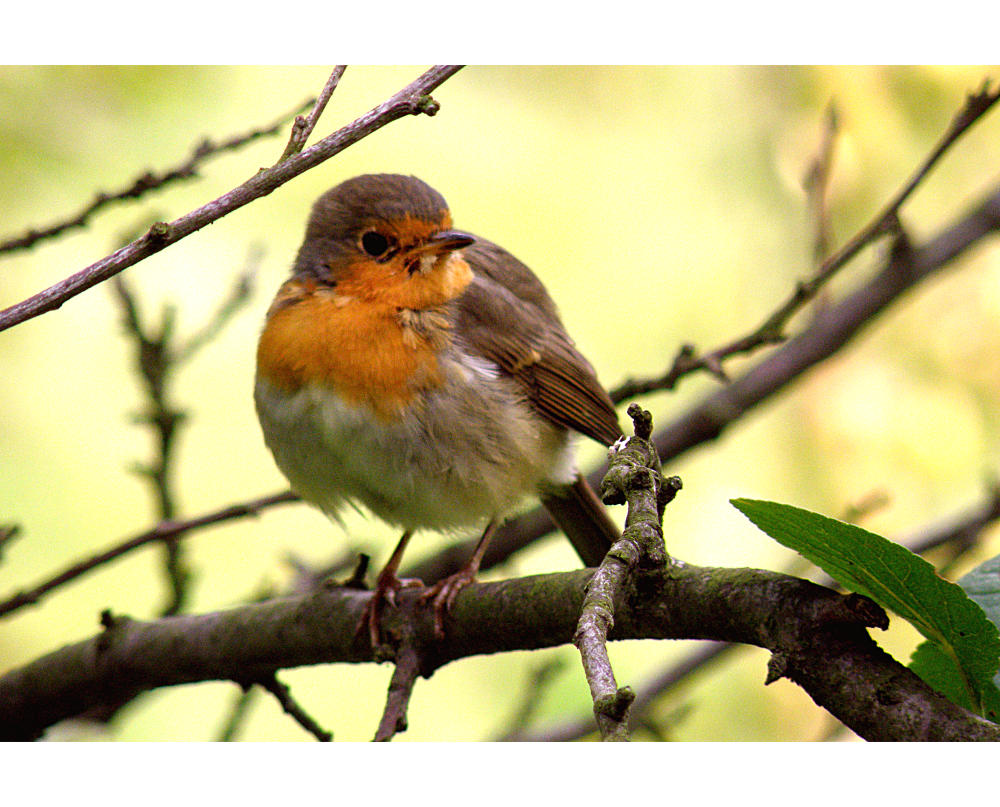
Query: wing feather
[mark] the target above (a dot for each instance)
(508, 318)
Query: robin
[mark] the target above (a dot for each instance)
(424, 373)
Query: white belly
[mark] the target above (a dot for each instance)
(457, 464)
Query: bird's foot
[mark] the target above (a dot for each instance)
(442, 594)
(386, 587)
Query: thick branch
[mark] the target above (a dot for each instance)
(411, 100)
(817, 634)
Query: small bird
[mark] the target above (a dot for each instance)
(423, 373)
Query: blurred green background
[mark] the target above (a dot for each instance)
(659, 205)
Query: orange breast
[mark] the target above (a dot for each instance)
(358, 349)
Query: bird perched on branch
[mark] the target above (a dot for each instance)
(424, 373)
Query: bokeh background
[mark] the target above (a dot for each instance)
(659, 205)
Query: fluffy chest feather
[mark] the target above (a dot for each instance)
(363, 401)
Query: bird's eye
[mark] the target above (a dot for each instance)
(375, 244)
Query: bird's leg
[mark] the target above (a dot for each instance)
(386, 586)
(444, 591)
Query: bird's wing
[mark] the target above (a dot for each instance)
(506, 316)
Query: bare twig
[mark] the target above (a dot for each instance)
(829, 331)
(284, 696)
(404, 676)
(165, 529)
(8, 532)
(147, 182)
(153, 346)
(303, 127)
(411, 100)
(772, 330)
(158, 357)
(237, 714)
(239, 296)
(611, 702)
(633, 477)
(817, 183)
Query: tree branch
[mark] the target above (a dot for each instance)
(149, 181)
(817, 636)
(283, 695)
(829, 331)
(959, 533)
(303, 127)
(771, 331)
(634, 478)
(165, 529)
(411, 100)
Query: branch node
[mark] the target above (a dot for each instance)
(616, 705)
(642, 421)
(357, 578)
(426, 105)
(777, 667)
(111, 624)
(158, 233)
(865, 611)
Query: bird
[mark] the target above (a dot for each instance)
(423, 373)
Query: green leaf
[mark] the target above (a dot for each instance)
(939, 671)
(901, 582)
(982, 584)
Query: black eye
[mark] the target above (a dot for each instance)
(375, 244)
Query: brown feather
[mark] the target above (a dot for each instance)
(507, 317)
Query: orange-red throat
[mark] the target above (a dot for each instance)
(372, 328)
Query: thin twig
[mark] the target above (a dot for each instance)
(411, 100)
(239, 296)
(149, 181)
(8, 532)
(155, 367)
(165, 529)
(404, 676)
(772, 330)
(817, 185)
(158, 357)
(237, 714)
(303, 127)
(828, 332)
(284, 696)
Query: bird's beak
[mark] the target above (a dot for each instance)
(443, 242)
